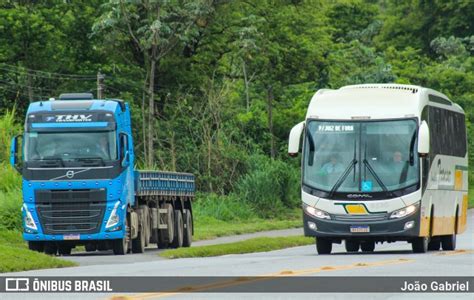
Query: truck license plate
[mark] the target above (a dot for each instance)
(71, 236)
(360, 229)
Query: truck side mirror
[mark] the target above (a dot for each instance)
(14, 156)
(423, 139)
(294, 139)
(124, 153)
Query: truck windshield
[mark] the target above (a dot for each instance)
(362, 156)
(70, 146)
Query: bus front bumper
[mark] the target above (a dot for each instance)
(390, 229)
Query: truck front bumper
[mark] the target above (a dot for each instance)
(388, 229)
(73, 237)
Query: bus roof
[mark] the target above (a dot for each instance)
(376, 101)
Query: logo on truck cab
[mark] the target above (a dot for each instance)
(69, 118)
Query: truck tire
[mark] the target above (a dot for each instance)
(352, 246)
(138, 244)
(323, 246)
(165, 236)
(50, 249)
(188, 228)
(64, 250)
(90, 247)
(178, 229)
(36, 246)
(146, 223)
(120, 246)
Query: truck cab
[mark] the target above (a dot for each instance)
(76, 158)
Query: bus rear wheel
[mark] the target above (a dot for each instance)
(323, 246)
(420, 244)
(448, 242)
(352, 246)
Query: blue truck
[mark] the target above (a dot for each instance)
(80, 186)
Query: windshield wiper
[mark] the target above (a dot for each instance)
(93, 159)
(344, 175)
(372, 171)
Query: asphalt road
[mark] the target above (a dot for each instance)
(395, 259)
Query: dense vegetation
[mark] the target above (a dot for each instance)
(215, 86)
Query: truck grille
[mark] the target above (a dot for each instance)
(71, 211)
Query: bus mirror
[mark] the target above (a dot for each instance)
(294, 139)
(423, 139)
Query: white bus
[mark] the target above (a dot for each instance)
(383, 163)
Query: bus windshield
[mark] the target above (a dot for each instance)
(70, 146)
(360, 156)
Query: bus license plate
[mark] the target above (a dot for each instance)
(360, 229)
(71, 236)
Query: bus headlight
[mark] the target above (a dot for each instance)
(114, 217)
(406, 211)
(316, 212)
(29, 221)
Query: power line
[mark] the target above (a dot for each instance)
(44, 74)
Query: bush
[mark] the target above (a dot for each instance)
(8, 129)
(270, 186)
(10, 179)
(10, 210)
(226, 208)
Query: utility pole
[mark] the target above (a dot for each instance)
(100, 85)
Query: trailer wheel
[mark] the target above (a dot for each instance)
(91, 247)
(434, 245)
(146, 222)
(188, 228)
(178, 229)
(120, 246)
(165, 236)
(36, 246)
(138, 244)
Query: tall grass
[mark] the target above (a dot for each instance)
(8, 129)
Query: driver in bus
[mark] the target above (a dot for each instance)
(333, 166)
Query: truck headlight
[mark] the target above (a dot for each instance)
(114, 218)
(316, 212)
(406, 211)
(29, 221)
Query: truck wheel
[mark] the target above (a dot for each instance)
(420, 244)
(434, 245)
(50, 249)
(188, 228)
(120, 246)
(323, 246)
(448, 242)
(352, 246)
(91, 247)
(36, 246)
(367, 246)
(178, 229)
(138, 244)
(64, 250)
(146, 223)
(165, 236)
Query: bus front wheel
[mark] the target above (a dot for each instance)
(323, 246)
(420, 244)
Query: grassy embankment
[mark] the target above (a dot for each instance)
(261, 244)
